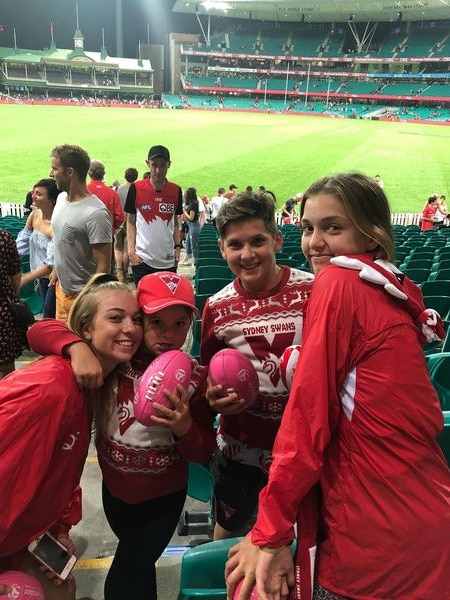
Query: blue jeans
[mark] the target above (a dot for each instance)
(192, 240)
(48, 297)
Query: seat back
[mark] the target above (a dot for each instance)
(203, 571)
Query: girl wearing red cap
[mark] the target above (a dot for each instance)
(145, 469)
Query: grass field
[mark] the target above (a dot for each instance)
(211, 149)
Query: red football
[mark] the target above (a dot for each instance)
(235, 372)
(23, 587)
(288, 362)
(237, 589)
(163, 373)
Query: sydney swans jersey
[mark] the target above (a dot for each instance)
(155, 221)
(261, 326)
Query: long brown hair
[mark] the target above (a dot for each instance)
(366, 204)
(81, 316)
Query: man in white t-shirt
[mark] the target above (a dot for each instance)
(82, 228)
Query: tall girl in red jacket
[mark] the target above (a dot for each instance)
(361, 422)
(45, 424)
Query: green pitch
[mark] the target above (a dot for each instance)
(284, 153)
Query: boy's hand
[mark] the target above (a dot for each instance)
(226, 405)
(85, 365)
(177, 418)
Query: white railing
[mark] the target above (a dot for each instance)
(17, 210)
(396, 218)
(10, 208)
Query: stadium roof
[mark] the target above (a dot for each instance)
(315, 11)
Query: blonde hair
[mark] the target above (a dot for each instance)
(366, 205)
(81, 316)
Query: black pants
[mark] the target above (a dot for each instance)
(144, 269)
(144, 531)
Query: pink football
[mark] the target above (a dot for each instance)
(163, 373)
(235, 372)
(288, 362)
(23, 587)
(237, 590)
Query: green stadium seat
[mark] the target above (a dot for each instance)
(441, 304)
(417, 275)
(211, 285)
(203, 571)
(34, 301)
(437, 287)
(440, 274)
(203, 261)
(213, 271)
(439, 369)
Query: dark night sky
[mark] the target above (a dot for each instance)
(32, 18)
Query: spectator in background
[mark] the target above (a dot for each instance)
(107, 195)
(82, 228)
(12, 339)
(120, 239)
(36, 240)
(429, 214)
(441, 213)
(379, 181)
(232, 191)
(153, 206)
(203, 206)
(28, 205)
(289, 208)
(191, 215)
(216, 204)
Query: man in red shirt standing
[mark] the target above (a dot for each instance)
(429, 214)
(107, 195)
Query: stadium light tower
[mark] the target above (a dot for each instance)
(119, 28)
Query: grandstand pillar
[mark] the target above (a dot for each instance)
(119, 28)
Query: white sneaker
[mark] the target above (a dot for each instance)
(186, 261)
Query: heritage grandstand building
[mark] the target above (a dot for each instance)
(75, 74)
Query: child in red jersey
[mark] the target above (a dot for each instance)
(260, 313)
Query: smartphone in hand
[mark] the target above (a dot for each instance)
(53, 555)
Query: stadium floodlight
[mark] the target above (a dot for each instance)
(217, 4)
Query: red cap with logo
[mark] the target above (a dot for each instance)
(163, 289)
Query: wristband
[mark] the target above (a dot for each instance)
(177, 246)
(270, 550)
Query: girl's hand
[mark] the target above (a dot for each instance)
(178, 418)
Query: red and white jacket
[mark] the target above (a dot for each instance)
(44, 440)
(362, 421)
(137, 462)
